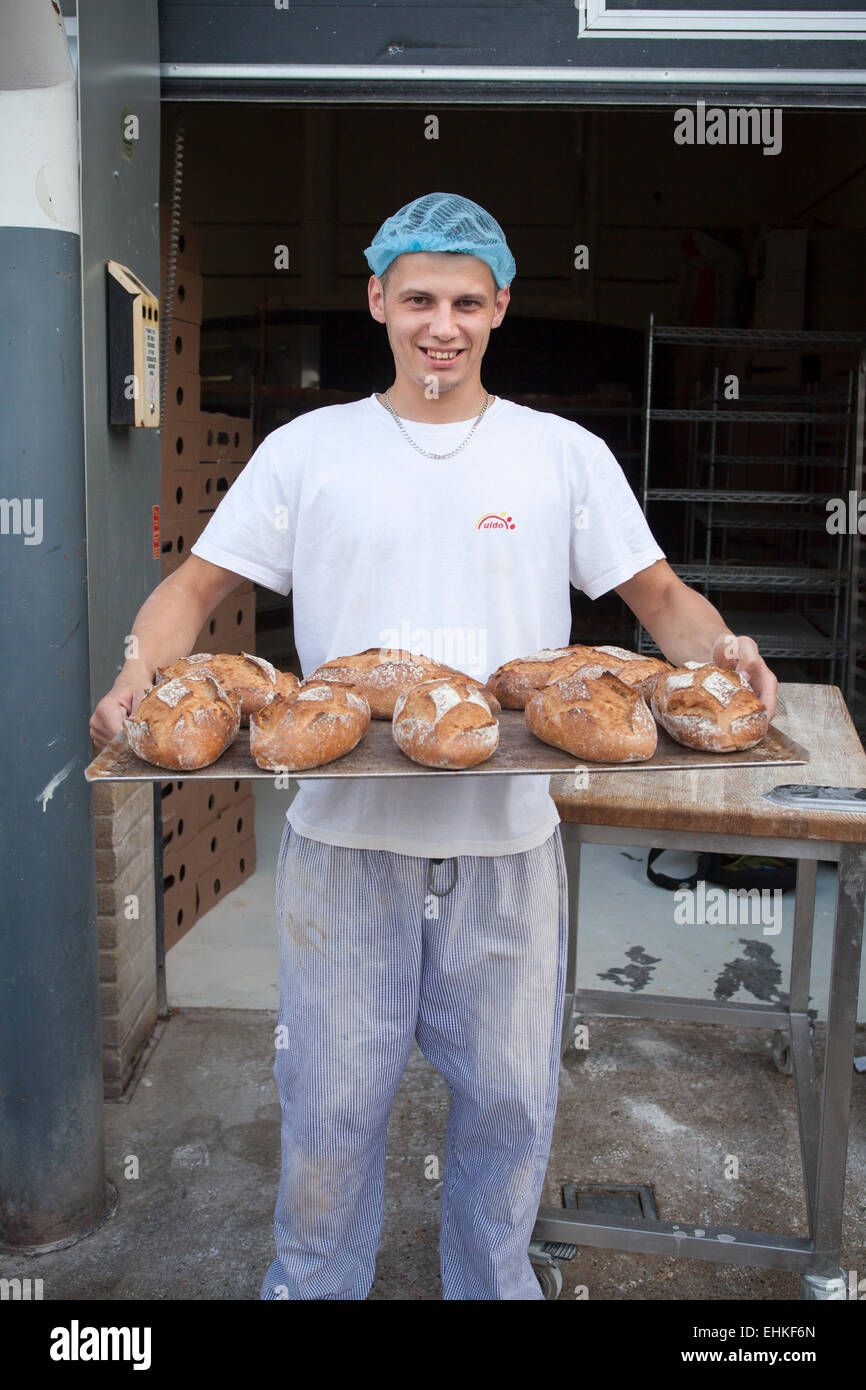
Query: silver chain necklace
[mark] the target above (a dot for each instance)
(426, 452)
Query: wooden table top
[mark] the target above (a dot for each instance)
(731, 801)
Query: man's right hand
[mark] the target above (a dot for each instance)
(121, 700)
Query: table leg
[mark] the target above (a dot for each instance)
(801, 952)
(825, 1279)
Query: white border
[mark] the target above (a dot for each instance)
(597, 22)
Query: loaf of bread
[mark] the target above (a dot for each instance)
(287, 682)
(184, 725)
(709, 707)
(515, 682)
(251, 677)
(380, 675)
(315, 724)
(597, 718)
(633, 668)
(445, 722)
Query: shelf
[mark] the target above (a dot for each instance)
(777, 635)
(754, 417)
(758, 337)
(773, 578)
(758, 460)
(780, 395)
(776, 520)
(728, 495)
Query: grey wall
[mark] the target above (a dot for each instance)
(118, 64)
(394, 38)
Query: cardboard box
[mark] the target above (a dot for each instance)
(205, 848)
(179, 444)
(176, 536)
(195, 800)
(181, 493)
(181, 911)
(236, 823)
(176, 867)
(183, 402)
(230, 792)
(187, 296)
(225, 438)
(188, 241)
(216, 480)
(237, 864)
(199, 489)
(183, 352)
(188, 490)
(178, 830)
(210, 886)
(230, 624)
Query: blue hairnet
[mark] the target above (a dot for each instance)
(443, 222)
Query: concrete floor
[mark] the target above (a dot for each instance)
(656, 1103)
(628, 937)
(649, 1102)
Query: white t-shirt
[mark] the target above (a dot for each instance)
(466, 559)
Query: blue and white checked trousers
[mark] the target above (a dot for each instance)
(370, 958)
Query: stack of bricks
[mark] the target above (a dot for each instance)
(208, 827)
(126, 912)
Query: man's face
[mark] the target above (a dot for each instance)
(439, 308)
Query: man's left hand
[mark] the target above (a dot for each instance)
(741, 654)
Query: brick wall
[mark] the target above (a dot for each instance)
(123, 834)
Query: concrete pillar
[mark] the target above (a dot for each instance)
(52, 1173)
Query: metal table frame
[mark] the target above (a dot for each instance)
(822, 1120)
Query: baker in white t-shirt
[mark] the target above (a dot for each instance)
(435, 518)
(467, 559)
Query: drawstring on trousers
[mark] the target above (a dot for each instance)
(450, 888)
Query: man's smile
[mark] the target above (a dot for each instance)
(441, 354)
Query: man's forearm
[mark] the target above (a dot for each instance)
(165, 627)
(685, 625)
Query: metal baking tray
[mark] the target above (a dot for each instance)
(377, 755)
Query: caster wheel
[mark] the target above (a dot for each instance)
(782, 1052)
(548, 1274)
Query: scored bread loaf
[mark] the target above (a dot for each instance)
(381, 674)
(710, 707)
(315, 724)
(183, 725)
(594, 715)
(287, 682)
(632, 668)
(515, 682)
(253, 678)
(445, 722)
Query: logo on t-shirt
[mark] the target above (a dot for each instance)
(494, 521)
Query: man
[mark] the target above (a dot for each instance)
(374, 514)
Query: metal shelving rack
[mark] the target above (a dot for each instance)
(821, 430)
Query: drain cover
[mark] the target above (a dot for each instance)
(612, 1198)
